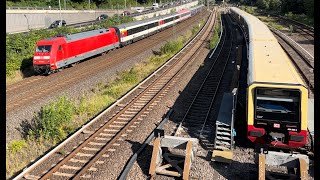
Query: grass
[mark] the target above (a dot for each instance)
(16, 146)
(63, 117)
(249, 9)
(273, 23)
(216, 34)
(301, 18)
(266, 19)
(18, 160)
(298, 17)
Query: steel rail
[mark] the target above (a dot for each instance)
(95, 119)
(309, 58)
(304, 68)
(62, 80)
(118, 135)
(202, 84)
(215, 93)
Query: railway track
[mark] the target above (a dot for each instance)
(303, 61)
(303, 29)
(300, 26)
(198, 121)
(99, 141)
(30, 90)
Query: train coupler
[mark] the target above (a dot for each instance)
(167, 154)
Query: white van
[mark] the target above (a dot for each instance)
(155, 5)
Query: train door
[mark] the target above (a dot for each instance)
(60, 53)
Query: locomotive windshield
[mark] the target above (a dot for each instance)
(277, 105)
(45, 48)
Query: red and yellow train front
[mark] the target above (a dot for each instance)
(45, 55)
(277, 115)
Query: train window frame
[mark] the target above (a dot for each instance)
(168, 20)
(45, 47)
(272, 121)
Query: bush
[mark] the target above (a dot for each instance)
(16, 145)
(301, 18)
(53, 121)
(171, 47)
(216, 34)
(290, 30)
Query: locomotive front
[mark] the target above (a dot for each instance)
(277, 115)
(45, 56)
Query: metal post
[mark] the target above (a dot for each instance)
(65, 5)
(125, 4)
(89, 4)
(60, 12)
(27, 21)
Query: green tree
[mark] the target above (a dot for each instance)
(309, 7)
(294, 6)
(263, 4)
(274, 4)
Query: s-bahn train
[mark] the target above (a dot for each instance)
(57, 52)
(277, 98)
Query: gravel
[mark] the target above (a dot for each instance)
(300, 38)
(115, 163)
(16, 121)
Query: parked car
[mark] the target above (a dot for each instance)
(58, 23)
(155, 6)
(102, 16)
(139, 10)
(125, 13)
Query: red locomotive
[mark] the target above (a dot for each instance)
(54, 53)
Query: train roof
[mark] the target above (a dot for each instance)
(77, 36)
(257, 29)
(134, 23)
(268, 63)
(85, 34)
